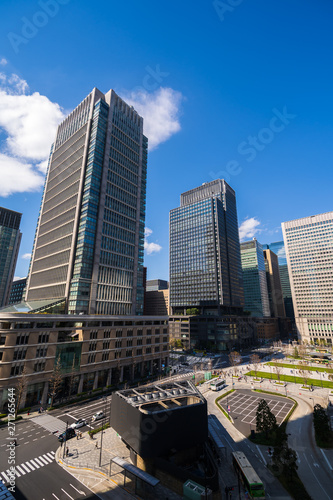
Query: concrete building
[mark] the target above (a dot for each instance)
(275, 295)
(93, 351)
(279, 249)
(254, 279)
(155, 285)
(157, 303)
(10, 239)
(17, 290)
(205, 267)
(309, 250)
(89, 240)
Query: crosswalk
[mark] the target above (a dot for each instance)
(28, 466)
(50, 423)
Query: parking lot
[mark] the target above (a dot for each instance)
(243, 406)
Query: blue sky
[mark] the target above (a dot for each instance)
(234, 89)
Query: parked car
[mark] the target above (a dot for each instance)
(97, 416)
(68, 434)
(79, 423)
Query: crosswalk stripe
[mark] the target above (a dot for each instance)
(30, 465)
(34, 463)
(17, 472)
(21, 470)
(6, 478)
(44, 460)
(50, 455)
(25, 467)
(39, 462)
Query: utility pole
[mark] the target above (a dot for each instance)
(65, 440)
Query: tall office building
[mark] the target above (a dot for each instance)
(309, 250)
(16, 293)
(275, 295)
(10, 239)
(205, 267)
(254, 278)
(278, 248)
(89, 240)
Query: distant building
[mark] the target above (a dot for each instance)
(10, 239)
(154, 285)
(275, 295)
(205, 266)
(309, 250)
(157, 300)
(254, 279)
(279, 250)
(16, 292)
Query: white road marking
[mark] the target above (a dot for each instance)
(21, 470)
(79, 491)
(34, 463)
(27, 442)
(30, 465)
(262, 456)
(6, 478)
(55, 496)
(42, 459)
(25, 467)
(67, 494)
(48, 459)
(315, 477)
(39, 462)
(326, 459)
(17, 472)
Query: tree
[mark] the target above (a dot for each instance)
(285, 459)
(255, 360)
(55, 380)
(321, 423)
(20, 389)
(302, 351)
(234, 359)
(265, 419)
(72, 378)
(296, 355)
(278, 369)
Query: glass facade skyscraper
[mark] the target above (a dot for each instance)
(309, 250)
(278, 248)
(10, 239)
(205, 269)
(90, 237)
(254, 278)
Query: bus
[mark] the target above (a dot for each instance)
(217, 384)
(248, 475)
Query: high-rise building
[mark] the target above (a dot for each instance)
(89, 240)
(10, 239)
(254, 279)
(278, 248)
(309, 250)
(155, 285)
(276, 302)
(205, 267)
(17, 290)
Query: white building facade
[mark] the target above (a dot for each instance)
(309, 250)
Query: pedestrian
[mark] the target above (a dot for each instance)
(67, 452)
(77, 435)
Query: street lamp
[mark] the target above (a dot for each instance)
(312, 402)
(100, 453)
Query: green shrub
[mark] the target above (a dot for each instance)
(98, 429)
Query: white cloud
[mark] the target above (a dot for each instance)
(26, 256)
(160, 111)
(17, 176)
(17, 278)
(29, 122)
(151, 247)
(249, 228)
(282, 253)
(3, 62)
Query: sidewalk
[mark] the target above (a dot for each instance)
(83, 462)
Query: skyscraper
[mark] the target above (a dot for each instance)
(205, 267)
(89, 241)
(278, 248)
(309, 249)
(10, 239)
(275, 295)
(254, 278)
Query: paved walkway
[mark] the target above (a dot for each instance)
(91, 466)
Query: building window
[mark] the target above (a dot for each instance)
(157, 340)
(91, 358)
(165, 330)
(148, 350)
(118, 344)
(157, 348)
(129, 333)
(2, 340)
(41, 352)
(129, 353)
(19, 354)
(43, 338)
(148, 341)
(1, 355)
(149, 331)
(129, 343)
(93, 334)
(106, 344)
(22, 338)
(157, 331)
(117, 354)
(105, 356)
(107, 334)
(39, 366)
(139, 332)
(17, 369)
(138, 352)
(119, 333)
(139, 342)
(92, 346)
